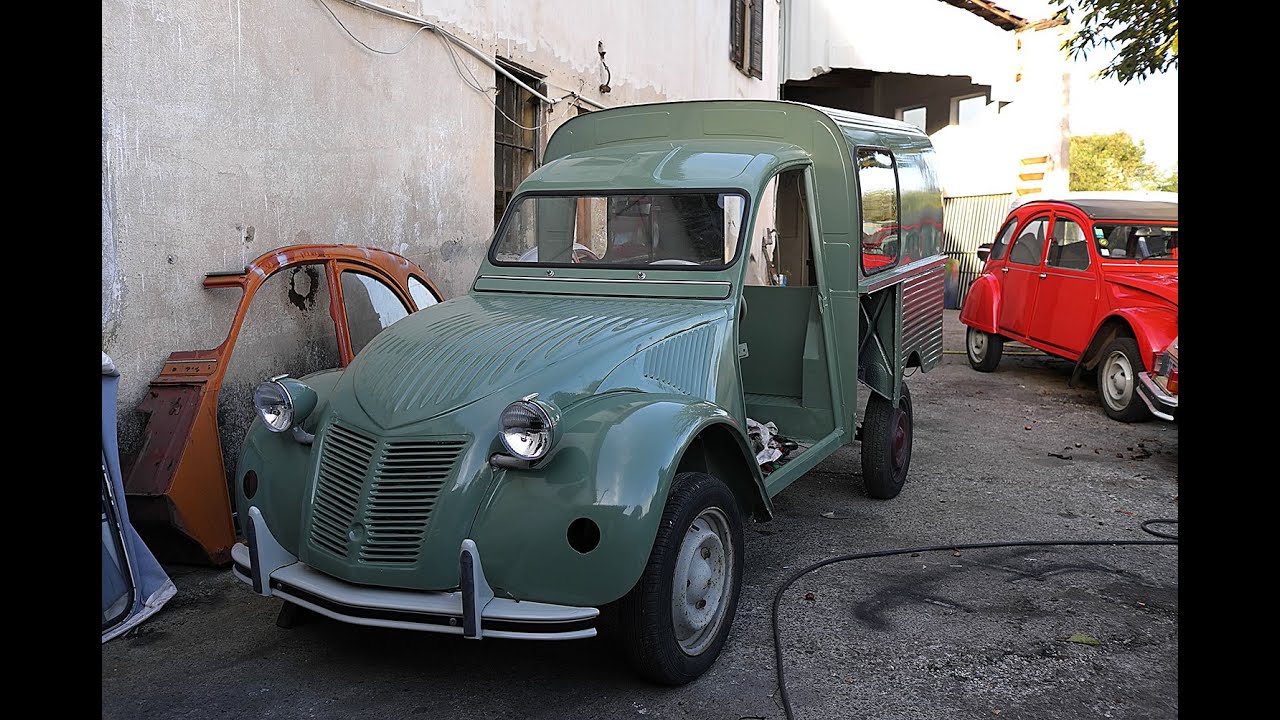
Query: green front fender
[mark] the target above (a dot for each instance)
(613, 466)
(283, 466)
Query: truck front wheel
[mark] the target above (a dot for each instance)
(886, 445)
(674, 622)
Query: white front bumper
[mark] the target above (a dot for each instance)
(472, 612)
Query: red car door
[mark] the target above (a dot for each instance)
(1067, 298)
(1021, 279)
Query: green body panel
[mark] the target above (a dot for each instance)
(541, 284)
(652, 370)
(614, 465)
(282, 465)
(448, 372)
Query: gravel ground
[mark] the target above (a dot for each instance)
(1025, 632)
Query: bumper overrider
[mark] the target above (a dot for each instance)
(1158, 400)
(472, 611)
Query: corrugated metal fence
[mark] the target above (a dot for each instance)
(968, 221)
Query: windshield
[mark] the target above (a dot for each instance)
(695, 229)
(1136, 241)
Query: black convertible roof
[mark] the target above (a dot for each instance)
(1113, 206)
(1127, 209)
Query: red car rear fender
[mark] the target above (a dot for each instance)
(981, 304)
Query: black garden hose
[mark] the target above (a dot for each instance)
(1166, 539)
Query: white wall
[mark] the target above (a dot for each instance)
(232, 128)
(920, 37)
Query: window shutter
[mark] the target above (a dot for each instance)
(757, 38)
(737, 12)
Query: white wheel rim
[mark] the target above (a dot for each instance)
(977, 344)
(700, 589)
(1117, 380)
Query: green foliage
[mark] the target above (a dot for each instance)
(1144, 34)
(1115, 162)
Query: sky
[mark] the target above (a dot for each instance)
(1146, 109)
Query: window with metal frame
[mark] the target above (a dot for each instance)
(1069, 247)
(516, 150)
(914, 116)
(746, 36)
(1028, 249)
(967, 109)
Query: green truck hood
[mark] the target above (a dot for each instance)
(458, 352)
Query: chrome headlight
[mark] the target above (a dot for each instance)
(529, 428)
(283, 402)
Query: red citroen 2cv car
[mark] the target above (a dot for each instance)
(1091, 278)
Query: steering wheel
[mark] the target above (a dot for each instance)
(673, 261)
(579, 253)
(583, 253)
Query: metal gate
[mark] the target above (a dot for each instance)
(970, 220)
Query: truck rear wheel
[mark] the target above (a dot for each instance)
(674, 622)
(886, 445)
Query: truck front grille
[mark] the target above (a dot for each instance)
(374, 497)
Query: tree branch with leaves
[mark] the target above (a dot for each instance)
(1144, 34)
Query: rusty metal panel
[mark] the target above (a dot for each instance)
(171, 412)
(176, 483)
(970, 221)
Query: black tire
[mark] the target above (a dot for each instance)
(886, 445)
(647, 629)
(1118, 381)
(983, 349)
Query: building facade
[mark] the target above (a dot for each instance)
(231, 129)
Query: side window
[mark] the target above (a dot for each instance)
(781, 253)
(1002, 240)
(878, 179)
(371, 307)
(913, 116)
(1069, 248)
(966, 110)
(422, 295)
(1029, 247)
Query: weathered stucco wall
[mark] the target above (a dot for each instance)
(230, 129)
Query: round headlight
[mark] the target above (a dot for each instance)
(528, 428)
(274, 406)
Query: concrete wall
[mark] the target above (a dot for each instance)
(232, 128)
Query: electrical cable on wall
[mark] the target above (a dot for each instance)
(1166, 539)
(449, 40)
(366, 45)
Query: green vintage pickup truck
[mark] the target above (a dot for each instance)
(676, 319)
